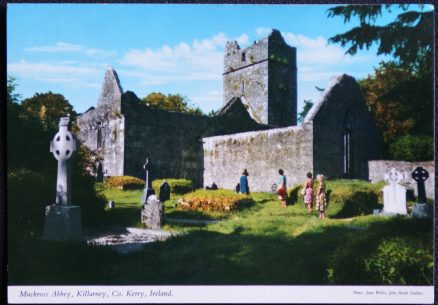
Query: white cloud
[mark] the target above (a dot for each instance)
(211, 100)
(38, 69)
(263, 32)
(63, 47)
(202, 59)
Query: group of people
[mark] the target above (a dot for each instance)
(321, 200)
(307, 191)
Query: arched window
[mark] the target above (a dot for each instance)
(348, 145)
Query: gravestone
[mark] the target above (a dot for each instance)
(148, 190)
(421, 209)
(164, 191)
(111, 204)
(152, 213)
(420, 175)
(62, 219)
(394, 195)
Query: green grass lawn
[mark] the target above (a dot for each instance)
(264, 244)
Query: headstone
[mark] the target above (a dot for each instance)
(394, 195)
(420, 175)
(148, 190)
(422, 210)
(62, 219)
(111, 204)
(152, 213)
(164, 191)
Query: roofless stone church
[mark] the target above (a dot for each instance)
(255, 129)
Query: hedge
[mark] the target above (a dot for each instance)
(177, 186)
(215, 200)
(124, 183)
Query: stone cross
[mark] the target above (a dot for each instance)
(148, 184)
(145, 167)
(63, 146)
(394, 195)
(420, 175)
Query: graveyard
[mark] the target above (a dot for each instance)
(262, 243)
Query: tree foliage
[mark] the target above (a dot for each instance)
(399, 100)
(48, 108)
(399, 92)
(307, 105)
(408, 38)
(29, 132)
(170, 102)
(12, 97)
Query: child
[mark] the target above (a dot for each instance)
(308, 192)
(321, 200)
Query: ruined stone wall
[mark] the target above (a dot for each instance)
(251, 84)
(171, 141)
(342, 107)
(282, 82)
(378, 169)
(264, 75)
(112, 144)
(262, 153)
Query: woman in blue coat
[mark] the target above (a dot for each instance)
(244, 187)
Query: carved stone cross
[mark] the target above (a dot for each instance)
(420, 175)
(394, 176)
(63, 146)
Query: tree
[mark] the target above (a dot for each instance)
(307, 105)
(11, 86)
(409, 38)
(400, 91)
(398, 100)
(171, 102)
(48, 108)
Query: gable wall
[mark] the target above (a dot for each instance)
(328, 122)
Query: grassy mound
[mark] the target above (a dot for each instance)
(346, 198)
(218, 200)
(124, 183)
(177, 186)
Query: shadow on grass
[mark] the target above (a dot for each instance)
(201, 257)
(126, 217)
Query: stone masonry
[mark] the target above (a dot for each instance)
(264, 76)
(319, 146)
(255, 128)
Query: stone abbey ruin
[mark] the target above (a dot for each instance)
(255, 129)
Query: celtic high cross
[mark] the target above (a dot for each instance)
(63, 146)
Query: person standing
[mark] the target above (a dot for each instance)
(244, 187)
(321, 200)
(282, 189)
(308, 192)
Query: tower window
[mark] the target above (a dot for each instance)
(243, 56)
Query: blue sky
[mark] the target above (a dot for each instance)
(66, 48)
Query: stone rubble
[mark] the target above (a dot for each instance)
(131, 239)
